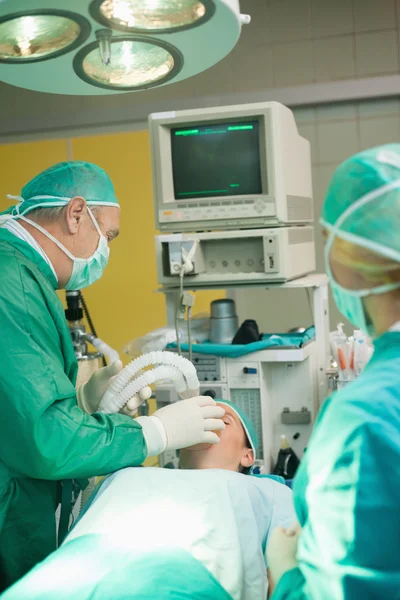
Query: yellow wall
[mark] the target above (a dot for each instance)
(20, 162)
(123, 304)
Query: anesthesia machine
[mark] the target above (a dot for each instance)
(233, 202)
(233, 199)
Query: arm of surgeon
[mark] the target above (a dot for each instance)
(349, 546)
(43, 432)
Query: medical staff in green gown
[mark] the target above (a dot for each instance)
(57, 236)
(347, 491)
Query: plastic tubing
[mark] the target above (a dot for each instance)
(156, 358)
(133, 378)
(111, 354)
(113, 404)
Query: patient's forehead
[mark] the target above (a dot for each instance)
(229, 411)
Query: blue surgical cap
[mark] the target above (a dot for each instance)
(362, 204)
(58, 184)
(245, 421)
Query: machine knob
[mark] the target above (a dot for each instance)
(210, 393)
(249, 370)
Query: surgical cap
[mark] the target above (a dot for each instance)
(58, 184)
(362, 204)
(245, 421)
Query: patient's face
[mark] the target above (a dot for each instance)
(230, 454)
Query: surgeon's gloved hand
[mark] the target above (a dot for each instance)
(183, 424)
(89, 394)
(281, 552)
(130, 409)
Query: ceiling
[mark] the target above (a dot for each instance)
(277, 45)
(28, 113)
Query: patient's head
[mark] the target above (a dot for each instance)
(236, 450)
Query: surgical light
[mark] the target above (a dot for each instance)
(99, 47)
(136, 63)
(40, 36)
(152, 15)
(103, 36)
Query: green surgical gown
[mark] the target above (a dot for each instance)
(347, 491)
(44, 436)
(91, 567)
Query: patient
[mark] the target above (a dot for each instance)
(197, 532)
(235, 452)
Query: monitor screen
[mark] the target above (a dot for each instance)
(220, 159)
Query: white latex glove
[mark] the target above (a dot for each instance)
(89, 394)
(130, 409)
(183, 424)
(281, 552)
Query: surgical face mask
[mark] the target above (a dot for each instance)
(85, 271)
(350, 302)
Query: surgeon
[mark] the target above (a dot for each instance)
(57, 237)
(347, 492)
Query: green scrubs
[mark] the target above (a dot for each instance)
(347, 491)
(44, 436)
(92, 568)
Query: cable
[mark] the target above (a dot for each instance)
(179, 309)
(87, 314)
(178, 312)
(185, 303)
(90, 322)
(189, 333)
(307, 290)
(178, 341)
(181, 276)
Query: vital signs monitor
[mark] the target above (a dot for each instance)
(230, 168)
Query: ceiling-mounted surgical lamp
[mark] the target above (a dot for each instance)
(127, 63)
(103, 37)
(110, 46)
(39, 35)
(144, 16)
